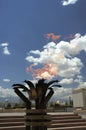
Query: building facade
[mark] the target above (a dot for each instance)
(79, 98)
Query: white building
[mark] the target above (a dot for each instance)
(79, 98)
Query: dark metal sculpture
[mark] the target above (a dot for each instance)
(41, 93)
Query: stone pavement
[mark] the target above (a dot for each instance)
(12, 114)
(82, 114)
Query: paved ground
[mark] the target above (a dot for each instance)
(12, 114)
(83, 115)
(23, 113)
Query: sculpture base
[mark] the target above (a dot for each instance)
(37, 119)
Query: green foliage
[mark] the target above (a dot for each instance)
(8, 106)
(19, 105)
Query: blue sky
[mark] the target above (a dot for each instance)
(29, 28)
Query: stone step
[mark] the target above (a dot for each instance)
(53, 115)
(68, 120)
(66, 114)
(69, 128)
(6, 124)
(56, 125)
(53, 121)
(53, 124)
(65, 117)
(59, 122)
(64, 128)
(11, 119)
(13, 128)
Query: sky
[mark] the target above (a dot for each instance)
(43, 39)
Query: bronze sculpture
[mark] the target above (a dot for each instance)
(41, 93)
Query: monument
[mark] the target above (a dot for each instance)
(40, 93)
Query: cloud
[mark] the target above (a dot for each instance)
(79, 79)
(70, 67)
(82, 85)
(62, 92)
(4, 44)
(61, 57)
(5, 48)
(6, 80)
(66, 81)
(71, 36)
(52, 36)
(68, 2)
(6, 51)
(6, 92)
(65, 93)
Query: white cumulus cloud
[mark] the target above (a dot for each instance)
(68, 2)
(6, 80)
(4, 44)
(81, 85)
(62, 55)
(6, 92)
(6, 51)
(79, 79)
(62, 92)
(5, 48)
(66, 81)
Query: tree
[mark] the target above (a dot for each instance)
(8, 106)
